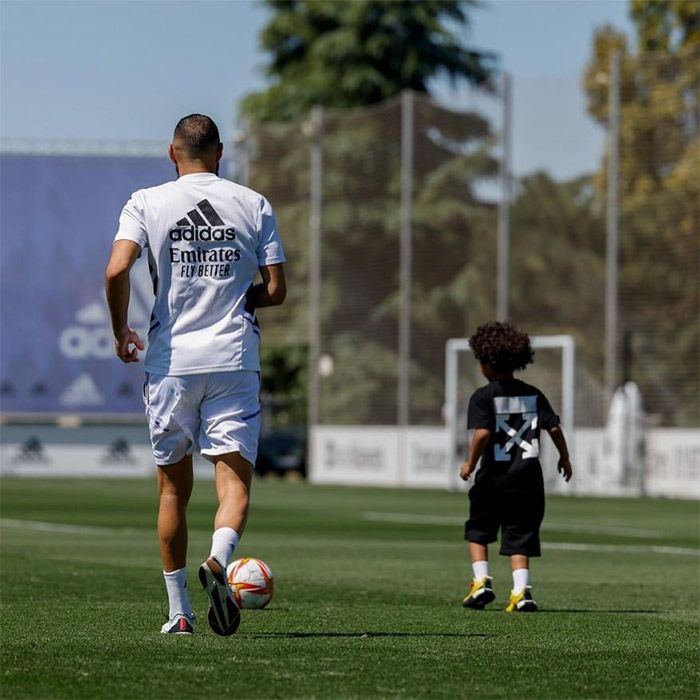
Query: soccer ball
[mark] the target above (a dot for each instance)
(251, 582)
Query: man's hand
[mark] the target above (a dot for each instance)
(123, 339)
(564, 468)
(270, 292)
(465, 471)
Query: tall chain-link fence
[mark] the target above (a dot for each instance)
(407, 196)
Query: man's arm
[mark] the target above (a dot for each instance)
(118, 289)
(564, 465)
(479, 441)
(272, 291)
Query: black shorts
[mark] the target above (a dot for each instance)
(517, 513)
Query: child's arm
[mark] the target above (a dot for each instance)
(476, 449)
(564, 466)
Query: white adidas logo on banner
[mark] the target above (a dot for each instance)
(91, 335)
(82, 392)
(93, 313)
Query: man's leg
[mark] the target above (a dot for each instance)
(233, 476)
(174, 491)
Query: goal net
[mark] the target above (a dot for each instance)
(552, 372)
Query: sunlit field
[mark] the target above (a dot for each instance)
(367, 603)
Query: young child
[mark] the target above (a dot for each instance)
(506, 416)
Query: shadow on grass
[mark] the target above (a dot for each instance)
(600, 610)
(361, 635)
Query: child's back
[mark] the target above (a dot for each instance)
(514, 412)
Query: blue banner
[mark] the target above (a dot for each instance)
(58, 217)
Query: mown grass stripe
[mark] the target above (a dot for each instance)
(451, 521)
(65, 528)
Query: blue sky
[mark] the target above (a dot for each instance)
(127, 70)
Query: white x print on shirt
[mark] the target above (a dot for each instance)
(511, 410)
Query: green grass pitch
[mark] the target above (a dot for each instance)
(367, 603)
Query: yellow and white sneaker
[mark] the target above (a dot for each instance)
(480, 593)
(521, 602)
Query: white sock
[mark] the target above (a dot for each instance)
(223, 542)
(521, 578)
(176, 584)
(480, 569)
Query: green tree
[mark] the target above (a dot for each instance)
(558, 279)
(356, 54)
(346, 54)
(659, 194)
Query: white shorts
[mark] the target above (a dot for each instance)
(218, 412)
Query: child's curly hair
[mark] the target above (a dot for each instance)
(502, 346)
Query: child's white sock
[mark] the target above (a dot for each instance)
(223, 542)
(521, 578)
(480, 569)
(176, 585)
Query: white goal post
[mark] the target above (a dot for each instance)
(454, 346)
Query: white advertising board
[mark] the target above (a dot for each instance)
(673, 463)
(109, 452)
(77, 460)
(427, 460)
(417, 457)
(380, 456)
(359, 455)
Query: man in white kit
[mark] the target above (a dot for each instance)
(206, 239)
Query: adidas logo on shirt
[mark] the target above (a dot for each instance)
(202, 223)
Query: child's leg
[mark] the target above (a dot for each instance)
(479, 530)
(520, 566)
(479, 554)
(481, 589)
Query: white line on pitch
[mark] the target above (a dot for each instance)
(642, 548)
(411, 518)
(40, 526)
(550, 527)
(604, 530)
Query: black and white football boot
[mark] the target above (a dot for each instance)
(224, 615)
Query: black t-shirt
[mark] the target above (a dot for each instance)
(514, 412)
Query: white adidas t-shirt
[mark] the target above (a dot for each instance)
(206, 239)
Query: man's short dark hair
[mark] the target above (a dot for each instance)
(502, 346)
(197, 134)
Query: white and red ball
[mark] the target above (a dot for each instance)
(251, 581)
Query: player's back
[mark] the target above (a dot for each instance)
(206, 239)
